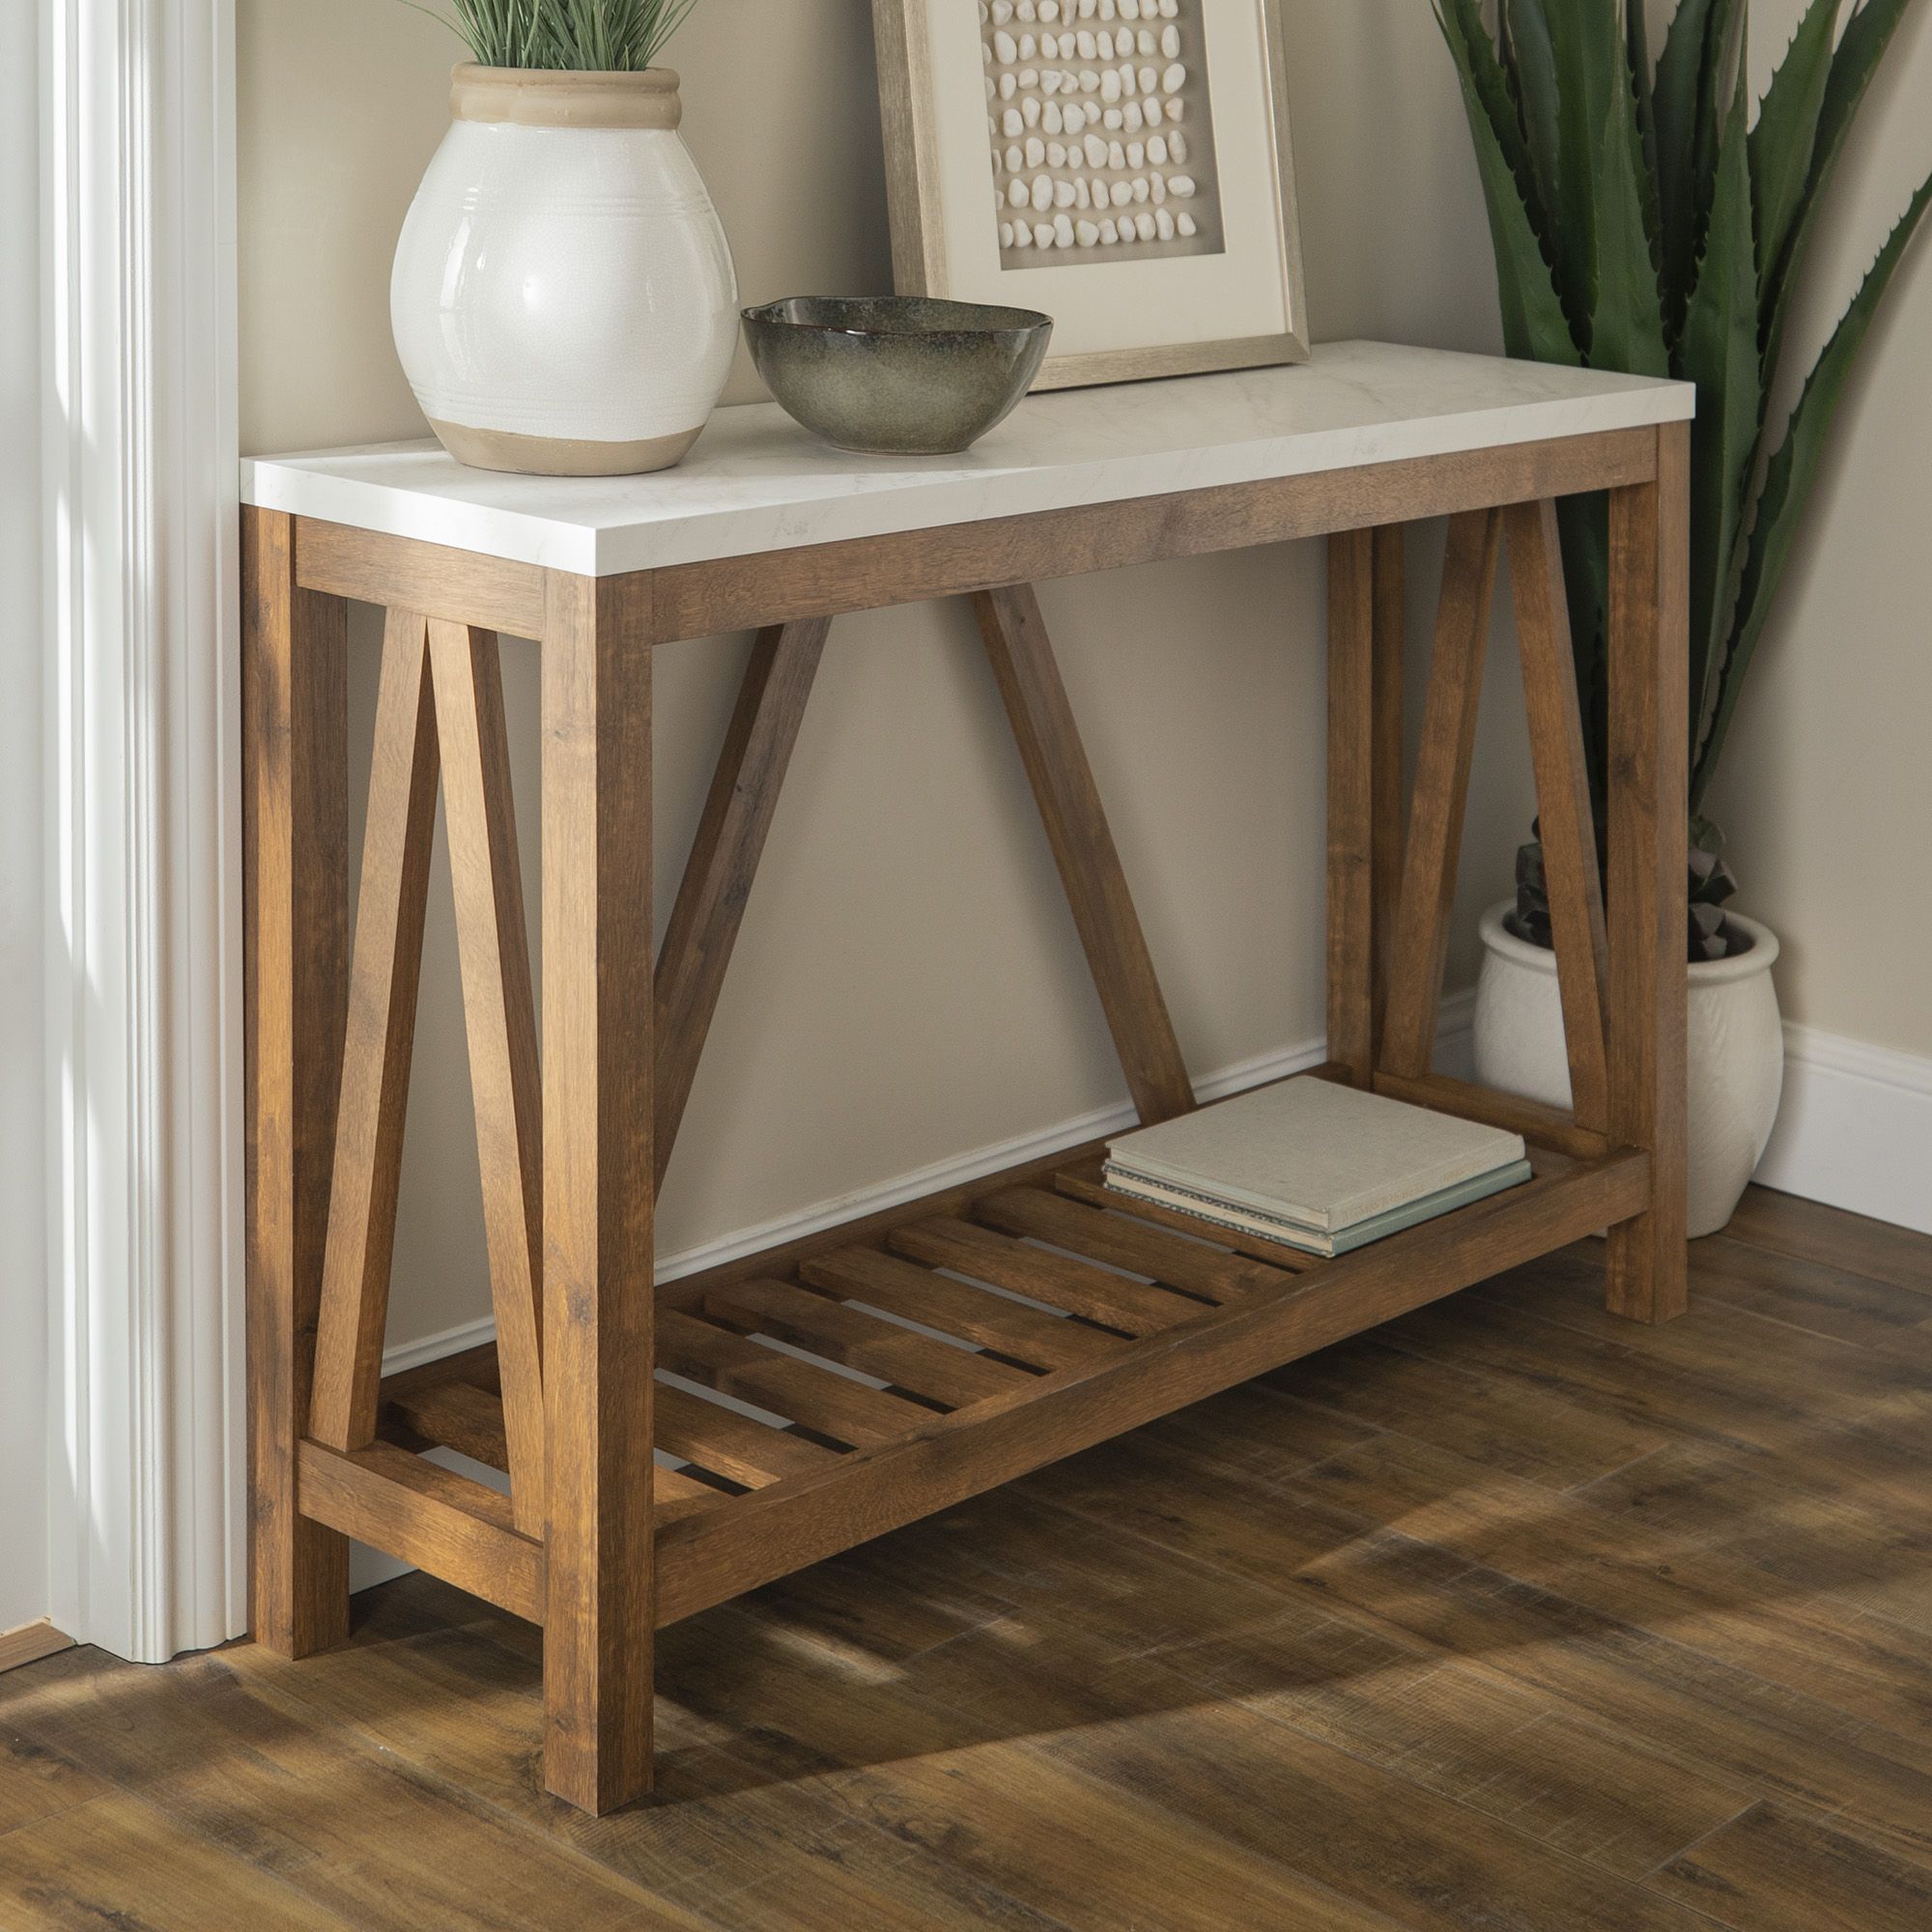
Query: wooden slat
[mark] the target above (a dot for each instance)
(445, 1523)
(458, 586)
(816, 1398)
(1028, 1335)
(675, 1495)
(1352, 741)
(1567, 824)
(698, 600)
(295, 954)
(390, 906)
(463, 1417)
(1133, 1307)
(1083, 848)
(599, 1200)
(863, 1495)
(1163, 1257)
(28, 1643)
(862, 1341)
(478, 1365)
(451, 1415)
(500, 1027)
(1649, 837)
(1385, 780)
(729, 1444)
(725, 857)
(1081, 1179)
(1421, 943)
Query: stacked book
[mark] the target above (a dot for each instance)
(1315, 1165)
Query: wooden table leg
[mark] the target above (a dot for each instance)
(1365, 635)
(599, 1191)
(294, 705)
(1649, 838)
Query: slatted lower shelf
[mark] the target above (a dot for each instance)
(832, 1390)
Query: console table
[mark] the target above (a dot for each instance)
(597, 1540)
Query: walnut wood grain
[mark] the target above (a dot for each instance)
(1420, 948)
(1134, 1308)
(1566, 820)
(599, 1197)
(453, 1526)
(902, 1288)
(499, 1024)
(461, 586)
(725, 859)
(1083, 848)
(894, 1354)
(1116, 1237)
(295, 963)
(863, 1494)
(391, 902)
(1649, 837)
(818, 1398)
(698, 600)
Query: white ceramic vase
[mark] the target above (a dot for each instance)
(1736, 1070)
(563, 298)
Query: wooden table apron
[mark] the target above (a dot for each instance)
(594, 1542)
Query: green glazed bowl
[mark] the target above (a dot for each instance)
(895, 374)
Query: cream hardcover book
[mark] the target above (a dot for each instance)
(1313, 1154)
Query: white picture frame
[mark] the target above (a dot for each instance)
(992, 126)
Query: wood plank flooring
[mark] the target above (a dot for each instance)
(1507, 1617)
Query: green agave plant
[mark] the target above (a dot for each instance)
(1643, 224)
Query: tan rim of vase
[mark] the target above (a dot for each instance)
(560, 456)
(556, 98)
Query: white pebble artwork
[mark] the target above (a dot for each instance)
(1100, 131)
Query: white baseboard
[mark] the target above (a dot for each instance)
(1855, 1128)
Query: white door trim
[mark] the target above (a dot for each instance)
(143, 976)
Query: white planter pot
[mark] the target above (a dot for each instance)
(1736, 1073)
(563, 298)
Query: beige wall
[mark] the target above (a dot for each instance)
(1827, 787)
(909, 986)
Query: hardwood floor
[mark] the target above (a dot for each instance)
(1508, 1616)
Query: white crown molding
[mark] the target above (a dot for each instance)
(143, 855)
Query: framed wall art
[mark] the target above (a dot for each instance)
(1123, 164)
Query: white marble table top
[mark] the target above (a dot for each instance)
(757, 482)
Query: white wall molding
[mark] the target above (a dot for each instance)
(142, 857)
(1855, 1128)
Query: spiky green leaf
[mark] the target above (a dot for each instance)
(1719, 354)
(1867, 35)
(1477, 55)
(1627, 327)
(1790, 477)
(1689, 96)
(1786, 135)
(1643, 92)
(1535, 327)
(1587, 44)
(1533, 65)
